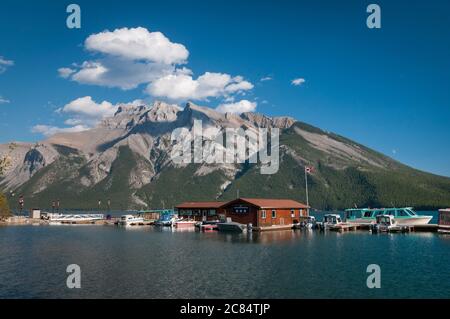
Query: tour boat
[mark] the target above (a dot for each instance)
(130, 220)
(405, 216)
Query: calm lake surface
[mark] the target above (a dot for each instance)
(149, 262)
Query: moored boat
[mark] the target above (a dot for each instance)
(330, 221)
(184, 223)
(58, 219)
(130, 220)
(387, 223)
(231, 227)
(166, 220)
(309, 223)
(207, 225)
(405, 216)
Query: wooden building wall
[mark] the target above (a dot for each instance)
(255, 215)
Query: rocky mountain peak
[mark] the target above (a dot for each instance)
(130, 109)
(261, 120)
(161, 112)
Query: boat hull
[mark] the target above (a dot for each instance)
(131, 222)
(231, 227)
(407, 221)
(185, 224)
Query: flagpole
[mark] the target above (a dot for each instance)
(306, 184)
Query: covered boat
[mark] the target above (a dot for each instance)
(405, 216)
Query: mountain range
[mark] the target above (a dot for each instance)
(126, 160)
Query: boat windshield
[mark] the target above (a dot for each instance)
(402, 213)
(410, 212)
(368, 214)
(353, 214)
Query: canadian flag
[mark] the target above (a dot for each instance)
(309, 169)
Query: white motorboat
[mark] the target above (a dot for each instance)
(58, 219)
(330, 221)
(184, 223)
(130, 220)
(231, 227)
(387, 223)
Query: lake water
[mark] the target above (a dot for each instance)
(150, 262)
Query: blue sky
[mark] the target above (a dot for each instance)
(386, 88)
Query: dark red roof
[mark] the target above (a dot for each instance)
(270, 203)
(193, 205)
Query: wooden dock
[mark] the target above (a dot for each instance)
(425, 228)
(417, 228)
(272, 228)
(344, 227)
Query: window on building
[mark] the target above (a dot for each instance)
(292, 213)
(300, 213)
(263, 214)
(274, 213)
(212, 212)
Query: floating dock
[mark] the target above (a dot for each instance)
(344, 227)
(416, 228)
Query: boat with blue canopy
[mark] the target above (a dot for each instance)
(405, 216)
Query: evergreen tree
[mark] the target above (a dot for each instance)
(4, 207)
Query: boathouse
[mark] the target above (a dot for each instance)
(200, 211)
(265, 214)
(444, 220)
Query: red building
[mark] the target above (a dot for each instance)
(265, 213)
(200, 211)
(444, 220)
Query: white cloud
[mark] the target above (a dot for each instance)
(298, 81)
(124, 74)
(48, 130)
(83, 114)
(134, 56)
(65, 72)
(3, 100)
(183, 86)
(266, 78)
(86, 112)
(238, 107)
(138, 44)
(4, 64)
